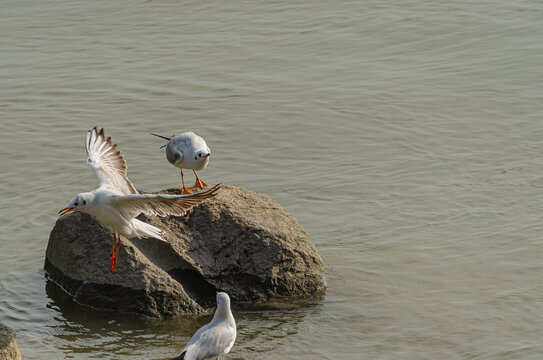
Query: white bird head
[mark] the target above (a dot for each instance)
(79, 202)
(202, 156)
(198, 160)
(223, 300)
(223, 306)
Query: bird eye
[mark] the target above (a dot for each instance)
(195, 158)
(84, 202)
(76, 203)
(200, 155)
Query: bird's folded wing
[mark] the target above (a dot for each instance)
(107, 162)
(161, 204)
(211, 343)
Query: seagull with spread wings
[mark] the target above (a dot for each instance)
(116, 203)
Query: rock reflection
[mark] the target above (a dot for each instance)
(84, 333)
(87, 333)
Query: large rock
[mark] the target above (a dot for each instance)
(239, 241)
(8, 345)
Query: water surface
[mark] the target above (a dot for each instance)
(405, 137)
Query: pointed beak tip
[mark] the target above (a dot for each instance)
(64, 211)
(207, 155)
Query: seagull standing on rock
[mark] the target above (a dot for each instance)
(116, 203)
(187, 151)
(214, 339)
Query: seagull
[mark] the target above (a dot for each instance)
(116, 203)
(187, 151)
(214, 339)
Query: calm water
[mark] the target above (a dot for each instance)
(405, 136)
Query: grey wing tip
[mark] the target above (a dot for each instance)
(93, 130)
(98, 132)
(214, 189)
(207, 192)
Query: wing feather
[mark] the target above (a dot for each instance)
(211, 343)
(161, 204)
(107, 162)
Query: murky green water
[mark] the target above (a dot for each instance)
(405, 137)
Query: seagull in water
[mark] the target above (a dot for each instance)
(116, 203)
(214, 339)
(187, 151)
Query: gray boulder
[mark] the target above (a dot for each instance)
(239, 241)
(8, 346)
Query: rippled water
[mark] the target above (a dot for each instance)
(406, 137)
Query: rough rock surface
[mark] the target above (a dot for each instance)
(8, 345)
(240, 241)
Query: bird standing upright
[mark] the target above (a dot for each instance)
(214, 339)
(187, 151)
(116, 202)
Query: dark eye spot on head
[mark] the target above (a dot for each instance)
(76, 203)
(195, 158)
(200, 155)
(84, 202)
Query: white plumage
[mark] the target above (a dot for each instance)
(116, 202)
(214, 339)
(188, 151)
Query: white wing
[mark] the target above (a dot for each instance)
(161, 204)
(196, 336)
(210, 343)
(107, 162)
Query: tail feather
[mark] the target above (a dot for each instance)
(180, 357)
(147, 230)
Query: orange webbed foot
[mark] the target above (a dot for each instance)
(199, 183)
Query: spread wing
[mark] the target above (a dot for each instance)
(107, 162)
(161, 204)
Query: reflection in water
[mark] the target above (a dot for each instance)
(263, 330)
(23, 307)
(101, 334)
(85, 333)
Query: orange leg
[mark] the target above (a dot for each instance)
(185, 190)
(199, 183)
(114, 252)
